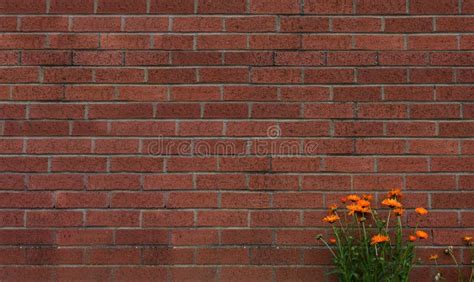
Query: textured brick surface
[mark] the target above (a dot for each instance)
(202, 139)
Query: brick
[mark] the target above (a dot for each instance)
(432, 42)
(142, 93)
(326, 182)
(89, 93)
(281, 41)
(275, 7)
(379, 42)
(456, 129)
(73, 41)
(58, 146)
(245, 200)
(118, 6)
(26, 7)
(142, 273)
(132, 200)
(84, 237)
(214, 42)
(385, 75)
(401, 164)
(81, 200)
(23, 164)
(380, 146)
(451, 58)
(173, 42)
(229, 256)
(377, 7)
(60, 111)
(53, 218)
(116, 256)
(36, 128)
(120, 111)
(328, 7)
(26, 200)
(339, 110)
(307, 93)
(192, 200)
(168, 256)
(329, 76)
(327, 42)
(9, 57)
(55, 182)
(250, 24)
(349, 164)
(183, 75)
(411, 129)
(44, 23)
(357, 24)
(428, 7)
(82, 164)
(247, 273)
(8, 23)
(94, 58)
(197, 58)
(222, 218)
(377, 182)
(351, 58)
(409, 93)
(400, 58)
(431, 75)
(20, 74)
(421, 182)
(89, 273)
(67, 75)
(200, 24)
(71, 7)
(125, 41)
(408, 24)
(275, 218)
(229, 7)
(195, 93)
(172, 6)
(275, 111)
(113, 182)
(168, 218)
(141, 237)
(12, 111)
(23, 41)
(299, 58)
(113, 218)
(287, 164)
(276, 75)
(297, 200)
(357, 93)
(36, 58)
(451, 24)
(152, 24)
(53, 256)
(228, 75)
(382, 111)
(124, 75)
(12, 182)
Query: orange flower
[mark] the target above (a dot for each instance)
(367, 197)
(331, 218)
(332, 241)
(395, 193)
(467, 239)
(393, 203)
(421, 211)
(412, 238)
(363, 203)
(355, 208)
(434, 257)
(353, 198)
(398, 211)
(377, 239)
(333, 208)
(421, 234)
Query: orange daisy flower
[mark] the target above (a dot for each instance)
(332, 241)
(434, 257)
(467, 239)
(363, 203)
(395, 193)
(331, 218)
(377, 239)
(421, 234)
(393, 203)
(398, 211)
(353, 198)
(421, 211)
(412, 238)
(368, 197)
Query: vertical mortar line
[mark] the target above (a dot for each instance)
(96, 4)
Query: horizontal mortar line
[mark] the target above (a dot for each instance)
(386, 120)
(236, 15)
(349, 84)
(198, 32)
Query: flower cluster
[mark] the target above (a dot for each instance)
(366, 246)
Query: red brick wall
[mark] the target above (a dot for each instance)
(174, 139)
